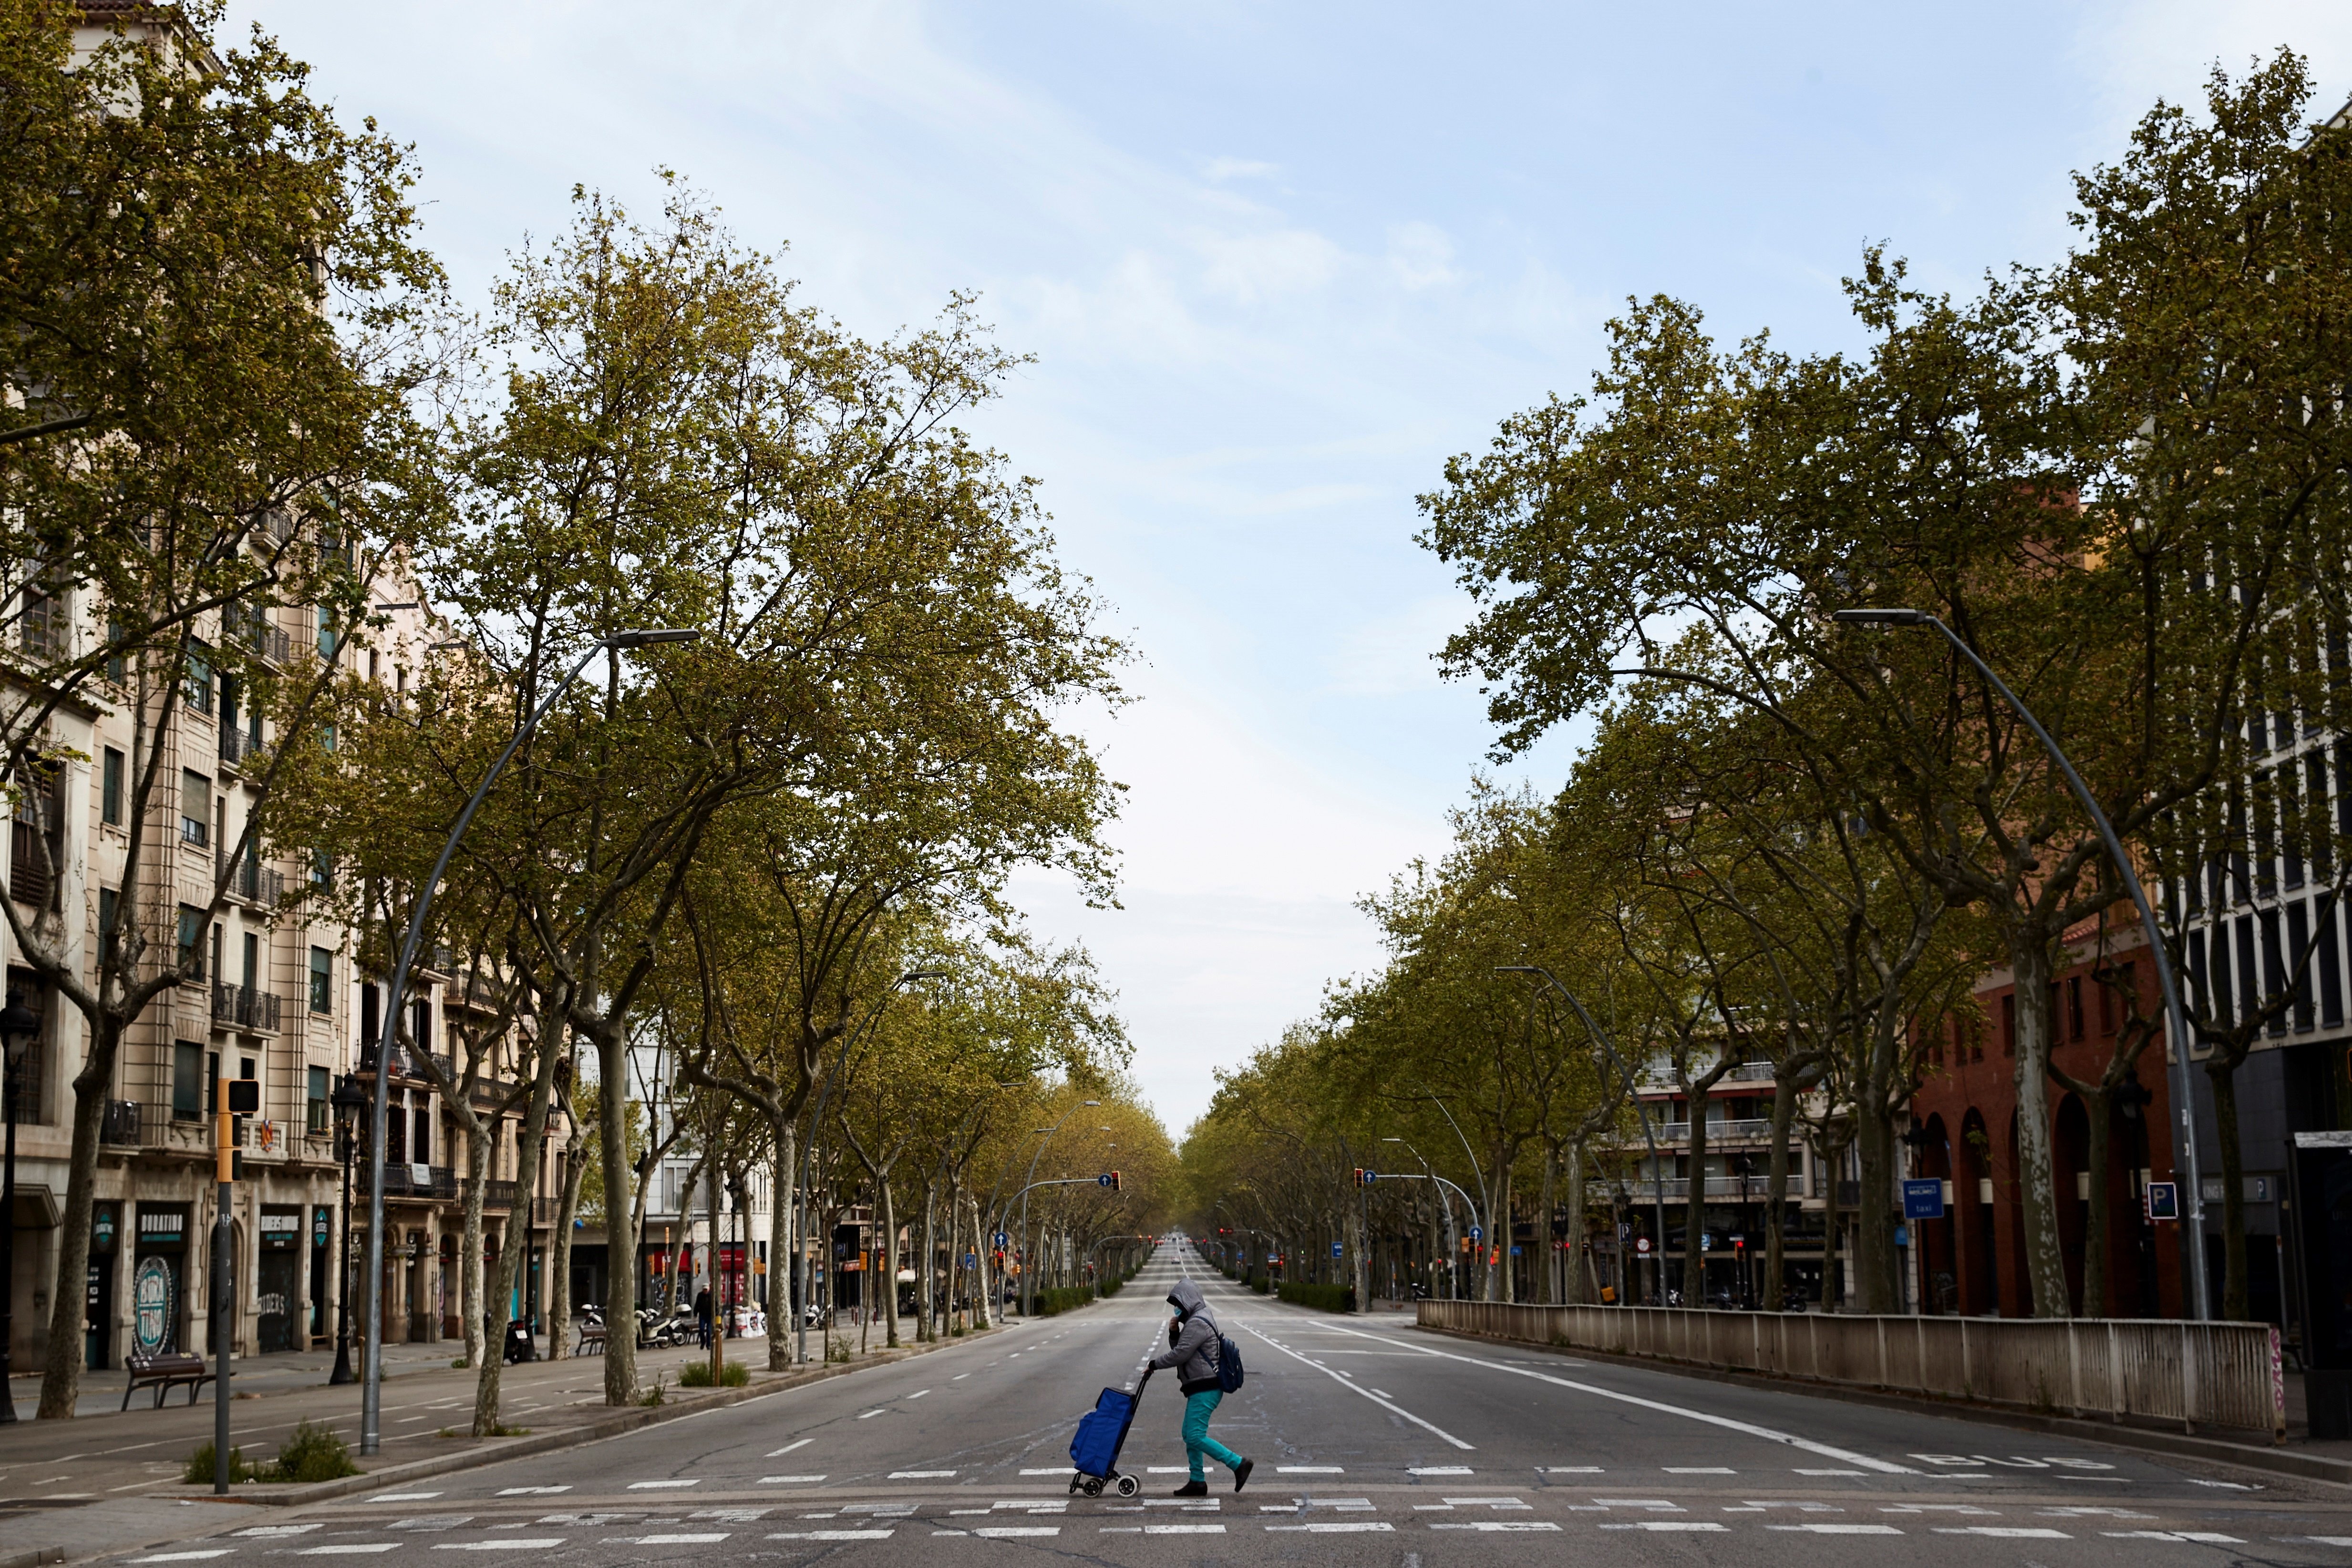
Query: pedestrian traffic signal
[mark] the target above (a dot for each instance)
(1114, 1181)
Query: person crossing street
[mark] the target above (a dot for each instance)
(1193, 1349)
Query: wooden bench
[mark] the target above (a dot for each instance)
(591, 1339)
(164, 1373)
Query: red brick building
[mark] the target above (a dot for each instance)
(1972, 1261)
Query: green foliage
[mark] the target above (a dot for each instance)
(1063, 1298)
(201, 1467)
(696, 1374)
(314, 1453)
(1259, 1284)
(1323, 1298)
(657, 1394)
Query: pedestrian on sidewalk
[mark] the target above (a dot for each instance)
(1193, 1340)
(702, 1316)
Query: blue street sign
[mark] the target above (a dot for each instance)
(1103, 1180)
(1923, 1198)
(1707, 1241)
(1274, 1258)
(1902, 1236)
(2162, 1200)
(1477, 1234)
(1001, 1240)
(1335, 1249)
(1515, 1252)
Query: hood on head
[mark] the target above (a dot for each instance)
(1186, 1298)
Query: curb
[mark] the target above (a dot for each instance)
(39, 1554)
(2212, 1450)
(496, 1451)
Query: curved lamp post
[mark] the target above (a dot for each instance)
(346, 1099)
(380, 1094)
(1657, 1175)
(2176, 1015)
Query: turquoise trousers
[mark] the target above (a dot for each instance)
(1197, 1441)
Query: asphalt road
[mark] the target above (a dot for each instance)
(1373, 1442)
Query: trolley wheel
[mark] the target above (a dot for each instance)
(1128, 1486)
(1092, 1487)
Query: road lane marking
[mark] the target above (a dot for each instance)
(351, 1549)
(1340, 1527)
(1010, 1531)
(1575, 1470)
(2003, 1531)
(676, 1537)
(920, 1475)
(406, 1497)
(532, 1491)
(276, 1530)
(1499, 1524)
(1750, 1428)
(1839, 1528)
(1683, 1526)
(513, 1543)
(1654, 1504)
(795, 1443)
(1372, 1395)
(831, 1535)
(959, 1377)
(789, 1480)
(1827, 1472)
(2205, 1536)
(1184, 1530)
(1050, 1470)
(1700, 1470)
(660, 1486)
(1438, 1470)
(919, 1393)
(872, 1414)
(1309, 1470)
(184, 1556)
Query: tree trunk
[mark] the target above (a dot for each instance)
(984, 1282)
(1833, 1298)
(715, 1178)
(782, 1253)
(2045, 1258)
(1875, 1249)
(620, 1215)
(559, 1247)
(1695, 1210)
(889, 1266)
(1572, 1292)
(470, 1307)
(69, 1298)
(2222, 1073)
(1776, 1191)
(1550, 1277)
(512, 1252)
(927, 1270)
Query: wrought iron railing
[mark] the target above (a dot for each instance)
(246, 1007)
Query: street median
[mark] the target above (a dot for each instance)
(2197, 1376)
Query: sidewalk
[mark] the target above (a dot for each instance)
(109, 1482)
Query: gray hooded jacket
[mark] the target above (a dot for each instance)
(1194, 1353)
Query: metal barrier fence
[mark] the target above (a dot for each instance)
(2199, 1375)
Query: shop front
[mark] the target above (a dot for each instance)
(276, 1303)
(98, 1309)
(159, 1273)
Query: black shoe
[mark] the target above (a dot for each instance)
(1192, 1488)
(1241, 1473)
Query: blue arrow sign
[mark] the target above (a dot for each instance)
(1003, 1240)
(1477, 1234)
(1103, 1180)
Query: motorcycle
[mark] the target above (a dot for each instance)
(520, 1345)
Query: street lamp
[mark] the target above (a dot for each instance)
(380, 1098)
(19, 1024)
(1452, 1231)
(1657, 1173)
(1029, 1275)
(346, 1099)
(2176, 1015)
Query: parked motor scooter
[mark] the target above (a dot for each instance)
(520, 1345)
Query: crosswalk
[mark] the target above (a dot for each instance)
(1071, 1521)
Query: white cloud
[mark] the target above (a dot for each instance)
(1237, 168)
(1253, 268)
(1421, 255)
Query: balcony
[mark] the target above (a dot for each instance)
(1751, 1072)
(119, 1124)
(237, 746)
(1677, 1189)
(256, 883)
(498, 1194)
(1745, 1131)
(409, 1181)
(245, 1007)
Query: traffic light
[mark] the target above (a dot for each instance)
(1114, 1181)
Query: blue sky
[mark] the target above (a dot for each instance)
(1276, 264)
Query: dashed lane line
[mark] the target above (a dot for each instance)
(1826, 1451)
(1391, 1405)
(795, 1443)
(508, 1543)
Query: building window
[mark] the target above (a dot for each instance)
(192, 942)
(108, 900)
(198, 687)
(196, 808)
(2008, 1025)
(118, 667)
(187, 1081)
(316, 1107)
(322, 871)
(421, 1151)
(109, 798)
(42, 626)
(322, 981)
(327, 639)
